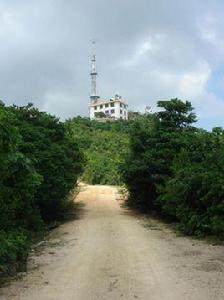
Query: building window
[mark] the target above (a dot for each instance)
(125, 113)
(111, 104)
(106, 105)
(112, 111)
(106, 111)
(95, 107)
(121, 111)
(101, 106)
(120, 104)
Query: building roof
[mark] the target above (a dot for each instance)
(103, 101)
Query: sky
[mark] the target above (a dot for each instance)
(146, 50)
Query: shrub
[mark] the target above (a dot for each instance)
(105, 145)
(155, 140)
(177, 170)
(55, 156)
(194, 195)
(40, 164)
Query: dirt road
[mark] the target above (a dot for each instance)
(110, 253)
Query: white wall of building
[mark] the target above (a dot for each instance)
(116, 109)
(91, 112)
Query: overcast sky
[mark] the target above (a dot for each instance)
(147, 50)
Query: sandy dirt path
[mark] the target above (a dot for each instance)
(110, 253)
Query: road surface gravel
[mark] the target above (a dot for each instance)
(111, 253)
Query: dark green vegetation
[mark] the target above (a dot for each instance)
(177, 170)
(105, 144)
(169, 167)
(40, 164)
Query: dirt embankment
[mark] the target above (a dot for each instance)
(111, 254)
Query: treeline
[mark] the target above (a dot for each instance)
(169, 167)
(176, 169)
(40, 164)
(105, 145)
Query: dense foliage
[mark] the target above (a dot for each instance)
(168, 166)
(40, 164)
(105, 144)
(176, 169)
(194, 195)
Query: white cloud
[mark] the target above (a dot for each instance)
(10, 25)
(209, 28)
(193, 84)
(149, 51)
(146, 47)
(61, 103)
(210, 110)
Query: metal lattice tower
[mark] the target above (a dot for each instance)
(93, 74)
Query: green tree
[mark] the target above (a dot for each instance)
(194, 195)
(175, 114)
(18, 184)
(55, 156)
(155, 141)
(105, 145)
(40, 165)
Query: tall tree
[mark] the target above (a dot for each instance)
(155, 141)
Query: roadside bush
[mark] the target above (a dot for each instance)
(139, 167)
(195, 194)
(18, 178)
(155, 141)
(177, 170)
(40, 164)
(55, 156)
(13, 250)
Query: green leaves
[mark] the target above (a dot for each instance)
(176, 169)
(40, 164)
(197, 185)
(175, 114)
(105, 145)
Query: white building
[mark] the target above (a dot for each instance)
(113, 109)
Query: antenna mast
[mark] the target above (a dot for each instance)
(94, 97)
